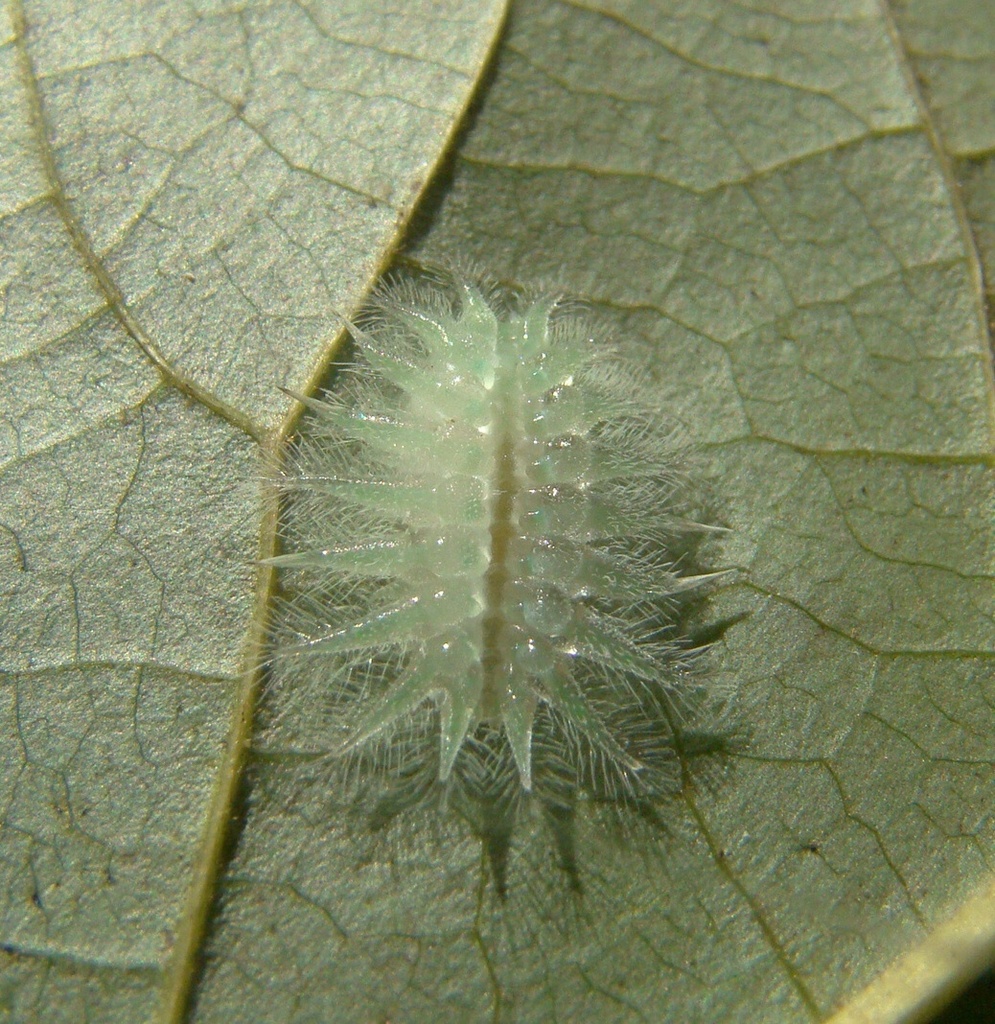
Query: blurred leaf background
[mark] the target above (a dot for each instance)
(786, 211)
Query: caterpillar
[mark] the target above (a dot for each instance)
(484, 540)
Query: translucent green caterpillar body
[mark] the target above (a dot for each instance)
(488, 509)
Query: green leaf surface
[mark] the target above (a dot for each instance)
(190, 197)
(951, 51)
(780, 209)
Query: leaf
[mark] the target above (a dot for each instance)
(951, 50)
(755, 201)
(190, 202)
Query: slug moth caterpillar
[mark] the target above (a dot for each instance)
(483, 538)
